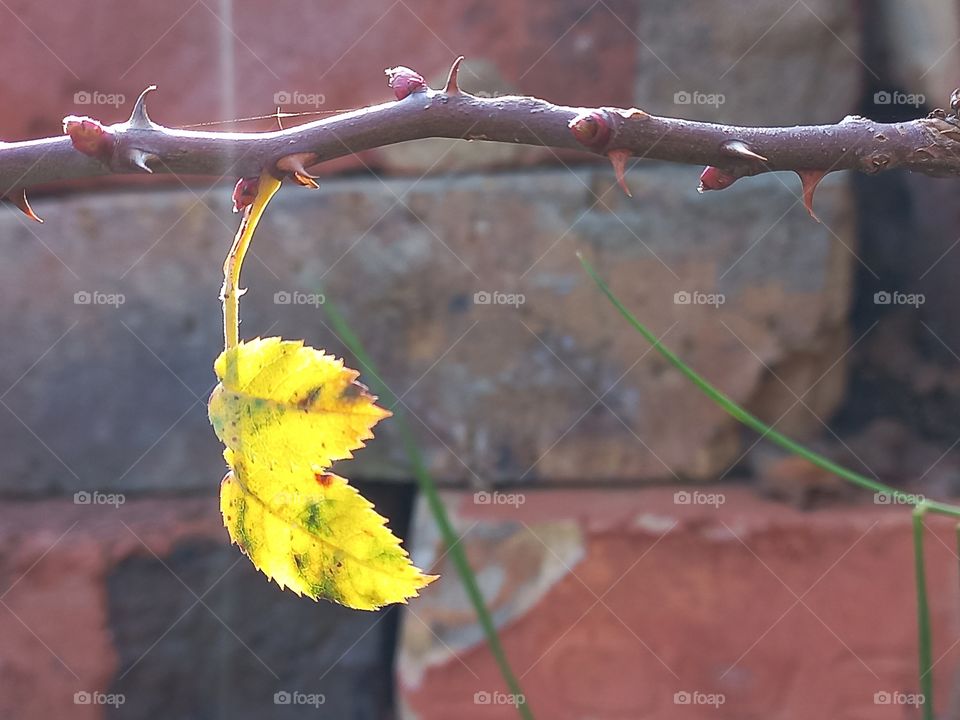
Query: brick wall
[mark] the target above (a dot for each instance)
(612, 593)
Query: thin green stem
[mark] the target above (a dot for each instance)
(923, 613)
(921, 505)
(754, 423)
(429, 489)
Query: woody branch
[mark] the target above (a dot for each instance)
(929, 145)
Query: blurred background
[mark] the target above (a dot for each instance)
(644, 556)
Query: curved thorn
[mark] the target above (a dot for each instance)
(140, 158)
(452, 87)
(810, 179)
(279, 120)
(306, 180)
(294, 165)
(739, 149)
(22, 203)
(618, 158)
(139, 118)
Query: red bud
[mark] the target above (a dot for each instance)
(89, 137)
(713, 178)
(244, 192)
(591, 128)
(404, 81)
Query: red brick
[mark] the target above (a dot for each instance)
(576, 52)
(54, 557)
(678, 608)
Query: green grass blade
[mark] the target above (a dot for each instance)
(921, 506)
(753, 422)
(923, 613)
(429, 489)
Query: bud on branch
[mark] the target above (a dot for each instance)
(929, 145)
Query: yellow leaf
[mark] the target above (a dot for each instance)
(292, 402)
(285, 412)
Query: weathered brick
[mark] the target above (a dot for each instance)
(104, 397)
(759, 63)
(609, 603)
(148, 601)
(332, 57)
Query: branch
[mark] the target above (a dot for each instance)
(930, 145)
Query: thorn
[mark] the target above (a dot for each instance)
(277, 115)
(713, 178)
(810, 179)
(630, 114)
(739, 149)
(618, 158)
(453, 87)
(294, 165)
(139, 119)
(140, 158)
(22, 203)
(308, 181)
